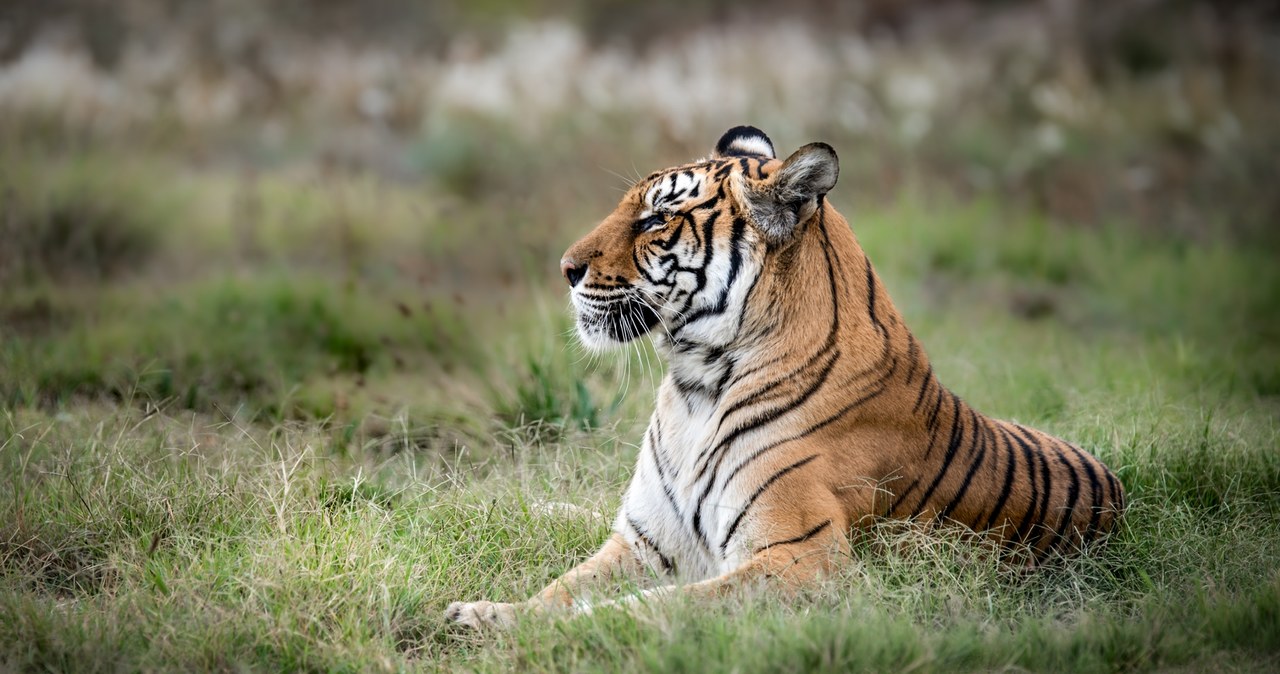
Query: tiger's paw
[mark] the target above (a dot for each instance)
(482, 614)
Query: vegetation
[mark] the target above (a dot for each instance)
(271, 404)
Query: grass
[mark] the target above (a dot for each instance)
(278, 469)
(149, 541)
(276, 389)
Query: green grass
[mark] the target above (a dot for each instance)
(137, 541)
(277, 469)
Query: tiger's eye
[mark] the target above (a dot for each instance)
(652, 222)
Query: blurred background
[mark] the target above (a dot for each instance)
(351, 211)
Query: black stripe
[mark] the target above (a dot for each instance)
(871, 299)
(1036, 532)
(933, 440)
(832, 330)
(669, 243)
(798, 539)
(769, 416)
(1031, 476)
(933, 430)
(1038, 528)
(1117, 491)
(729, 364)
(1073, 494)
(733, 528)
(666, 483)
(746, 301)
(703, 205)
(831, 269)
(801, 435)
(1033, 502)
(760, 393)
(735, 264)
(689, 388)
(901, 497)
(828, 344)
(992, 443)
(643, 268)
(1096, 499)
(667, 566)
(762, 366)
(953, 445)
(1009, 471)
(977, 445)
(913, 353)
(931, 422)
(924, 386)
(706, 245)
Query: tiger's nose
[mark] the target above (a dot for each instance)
(572, 270)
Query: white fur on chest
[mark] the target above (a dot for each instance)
(686, 431)
(667, 487)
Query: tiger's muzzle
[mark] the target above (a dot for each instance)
(609, 321)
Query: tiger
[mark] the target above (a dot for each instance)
(797, 408)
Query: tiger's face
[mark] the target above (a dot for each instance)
(664, 253)
(681, 252)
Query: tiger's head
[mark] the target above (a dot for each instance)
(681, 252)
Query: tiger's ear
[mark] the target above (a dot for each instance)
(793, 192)
(744, 141)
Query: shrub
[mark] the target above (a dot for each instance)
(85, 221)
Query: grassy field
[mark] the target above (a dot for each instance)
(268, 403)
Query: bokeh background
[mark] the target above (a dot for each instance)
(326, 233)
(254, 176)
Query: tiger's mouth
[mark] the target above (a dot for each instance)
(617, 321)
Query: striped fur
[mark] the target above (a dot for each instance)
(797, 407)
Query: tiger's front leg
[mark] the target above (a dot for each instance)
(789, 552)
(789, 567)
(615, 559)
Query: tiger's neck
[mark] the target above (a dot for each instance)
(814, 318)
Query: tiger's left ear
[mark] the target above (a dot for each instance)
(793, 193)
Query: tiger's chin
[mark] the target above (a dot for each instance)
(608, 329)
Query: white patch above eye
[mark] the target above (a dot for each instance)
(673, 189)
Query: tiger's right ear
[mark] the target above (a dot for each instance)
(793, 192)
